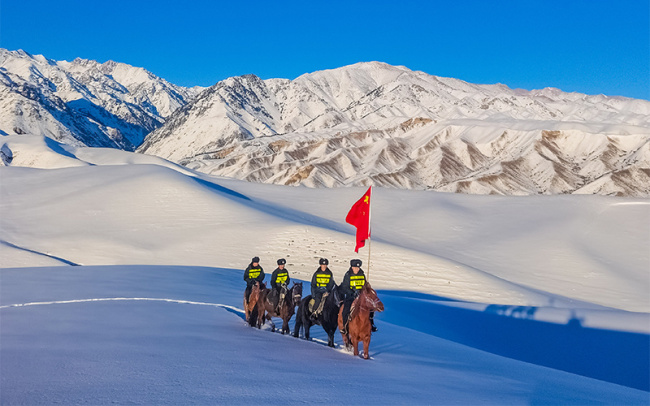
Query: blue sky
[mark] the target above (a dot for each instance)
(588, 46)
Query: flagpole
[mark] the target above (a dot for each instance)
(368, 274)
(369, 233)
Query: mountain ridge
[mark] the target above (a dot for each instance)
(361, 124)
(84, 102)
(324, 129)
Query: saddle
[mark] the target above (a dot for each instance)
(278, 298)
(283, 294)
(319, 309)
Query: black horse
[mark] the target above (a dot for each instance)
(328, 319)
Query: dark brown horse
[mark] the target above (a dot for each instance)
(359, 326)
(287, 307)
(251, 307)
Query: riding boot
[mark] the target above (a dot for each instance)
(283, 293)
(372, 322)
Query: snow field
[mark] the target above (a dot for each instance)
(489, 300)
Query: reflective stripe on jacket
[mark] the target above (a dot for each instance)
(254, 274)
(352, 283)
(279, 277)
(357, 281)
(322, 281)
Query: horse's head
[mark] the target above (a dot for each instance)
(296, 292)
(255, 294)
(368, 298)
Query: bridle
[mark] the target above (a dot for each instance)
(297, 296)
(366, 302)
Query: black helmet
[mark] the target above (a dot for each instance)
(282, 261)
(355, 262)
(323, 261)
(256, 259)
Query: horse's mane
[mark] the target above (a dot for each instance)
(355, 304)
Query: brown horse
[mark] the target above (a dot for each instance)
(287, 307)
(359, 327)
(251, 306)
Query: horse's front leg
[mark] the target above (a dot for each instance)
(260, 317)
(345, 337)
(296, 328)
(366, 346)
(330, 338)
(355, 346)
(268, 317)
(246, 308)
(307, 327)
(346, 341)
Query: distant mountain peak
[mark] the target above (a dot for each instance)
(84, 102)
(373, 123)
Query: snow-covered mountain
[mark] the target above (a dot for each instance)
(373, 123)
(84, 102)
(369, 123)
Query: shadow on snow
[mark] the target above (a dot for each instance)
(613, 356)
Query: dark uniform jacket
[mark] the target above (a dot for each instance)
(279, 277)
(253, 274)
(352, 284)
(322, 281)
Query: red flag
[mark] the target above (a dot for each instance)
(359, 216)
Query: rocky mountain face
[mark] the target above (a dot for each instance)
(84, 102)
(373, 123)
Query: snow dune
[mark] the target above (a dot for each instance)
(473, 286)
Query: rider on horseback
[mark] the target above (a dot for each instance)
(253, 274)
(279, 281)
(322, 284)
(353, 282)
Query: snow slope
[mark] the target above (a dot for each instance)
(473, 286)
(125, 208)
(174, 335)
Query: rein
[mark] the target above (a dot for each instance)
(363, 302)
